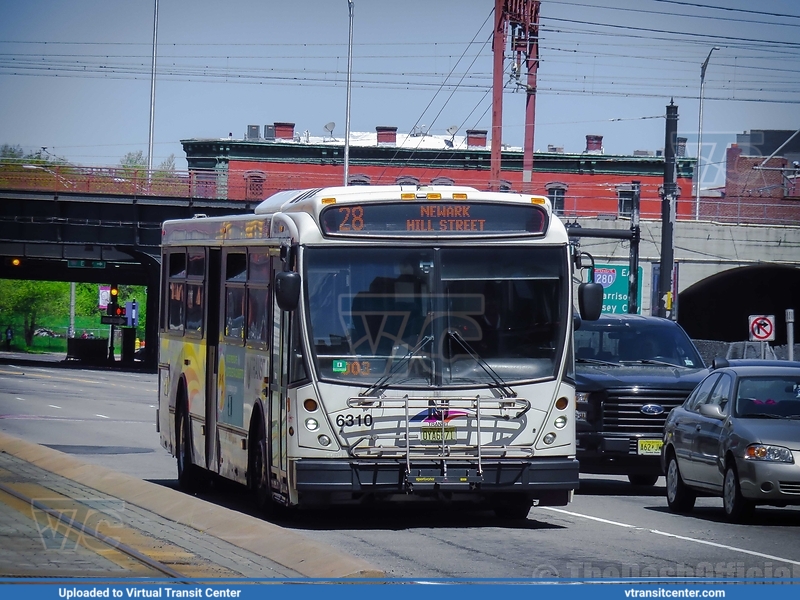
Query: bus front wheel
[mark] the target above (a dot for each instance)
(188, 477)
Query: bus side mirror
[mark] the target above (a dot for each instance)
(287, 289)
(590, 300)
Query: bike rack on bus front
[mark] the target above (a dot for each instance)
(437, 410)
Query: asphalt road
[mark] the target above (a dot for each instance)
(611, 530)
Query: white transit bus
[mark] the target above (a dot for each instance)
(366, 343)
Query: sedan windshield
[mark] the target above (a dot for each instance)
(437, 317)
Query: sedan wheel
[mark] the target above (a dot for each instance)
(680, 498)
(737, 507)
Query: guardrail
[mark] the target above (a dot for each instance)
(240, 186)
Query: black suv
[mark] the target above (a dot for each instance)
(631, 371)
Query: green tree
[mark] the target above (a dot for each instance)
(11, 152)
(32, 300)
(133, 160)
(168, 164)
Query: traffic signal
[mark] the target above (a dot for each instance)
(113, 302)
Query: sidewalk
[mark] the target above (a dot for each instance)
(193, 537)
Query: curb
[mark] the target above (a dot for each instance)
(291, 550)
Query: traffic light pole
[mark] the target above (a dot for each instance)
(112, 311)
(111, 357)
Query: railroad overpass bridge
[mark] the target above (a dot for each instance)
(725, 271)
(120, 233)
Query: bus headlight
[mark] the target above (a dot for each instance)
(560, 422)
(549, 438)
(312, 424)
(324, 440)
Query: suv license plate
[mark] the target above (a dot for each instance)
(650, 447)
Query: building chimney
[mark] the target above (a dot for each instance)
(387, 136)
(680, 148)
(284, 131)
(594, 144)
(476, 138)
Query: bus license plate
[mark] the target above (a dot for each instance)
(438, 434)
(650, 447)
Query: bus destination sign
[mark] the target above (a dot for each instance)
(440, 218)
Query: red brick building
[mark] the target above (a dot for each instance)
(587, 184)
(756, 191)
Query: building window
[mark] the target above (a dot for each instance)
(624, 202)
(359, 179)
(407, 180)
(255, 185)
(556, 192)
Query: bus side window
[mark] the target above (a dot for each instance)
(176, 305)
(257, 314)
(194, 308)
(234, 312)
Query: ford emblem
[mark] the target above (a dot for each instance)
(652, 409)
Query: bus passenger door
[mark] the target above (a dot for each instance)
(278, 381)
(212, 287)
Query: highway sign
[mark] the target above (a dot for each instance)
(83, 264)
(614, 279)
(762, 328)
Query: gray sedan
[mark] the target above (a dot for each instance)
(737, 435)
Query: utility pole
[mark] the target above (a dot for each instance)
(522, 17)
(498, 47)
(350, 10)
(668, 200)
(633, 272)
(152, 93)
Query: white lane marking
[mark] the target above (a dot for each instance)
(102, 416)
(54, 406)
(676, 536)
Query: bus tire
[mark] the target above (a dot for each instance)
(188, 474)
(260, 479)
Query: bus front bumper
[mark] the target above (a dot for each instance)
(535, 478)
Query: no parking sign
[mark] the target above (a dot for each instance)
(762, 328)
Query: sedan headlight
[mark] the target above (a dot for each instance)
(771, 453)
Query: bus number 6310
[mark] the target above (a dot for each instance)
(352, 420)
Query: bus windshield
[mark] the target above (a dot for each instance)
(429, 317)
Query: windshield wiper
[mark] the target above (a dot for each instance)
(648, 361)
(594, 361)
(383, 381)
(498, 381)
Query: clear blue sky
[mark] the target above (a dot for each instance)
(75, 76)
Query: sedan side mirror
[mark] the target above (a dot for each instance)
(712, 411)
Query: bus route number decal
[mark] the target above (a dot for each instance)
(351, 420)
(352, 218)
(351, 368)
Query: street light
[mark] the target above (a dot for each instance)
(700, 134)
